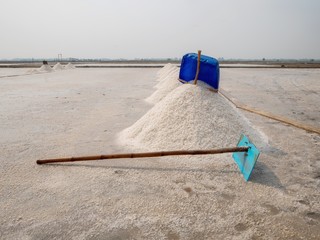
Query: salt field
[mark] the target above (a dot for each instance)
(63, 111)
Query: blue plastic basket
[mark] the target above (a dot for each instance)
(209, 69)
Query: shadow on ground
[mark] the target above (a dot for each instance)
(263, 175)
(159, 169)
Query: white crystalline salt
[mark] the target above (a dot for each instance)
(58, 66)
(173, 75)
(190, 117)
(168, 72)
(165, 86)
(165, 68)
(45, 68)
(69, 66)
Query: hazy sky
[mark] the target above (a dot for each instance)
(159, 28)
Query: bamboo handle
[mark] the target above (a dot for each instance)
(143, 155)
(198, 68)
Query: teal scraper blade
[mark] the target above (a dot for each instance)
(246, 160)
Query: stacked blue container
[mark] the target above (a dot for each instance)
(209, 69)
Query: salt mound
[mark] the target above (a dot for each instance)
(173, 74)
(165, 86)
(69, 66)
(167, 71)
(190, 117)
(164, 68)
(45, 68)
(58, 66)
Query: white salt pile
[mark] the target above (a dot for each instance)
(171, 68)
(45, 68)
(69, 66)
(165, 68)
(58, 66)
(190, 117)
(172, 73)
(165, 86)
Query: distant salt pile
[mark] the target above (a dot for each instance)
(172, 74)
(165, 86)
(69, 66)
(190, 117)
(58, 66)
(166, 70)
(45, 68)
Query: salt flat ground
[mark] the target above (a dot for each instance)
(80, 111)
(4, 72)
(293, 93)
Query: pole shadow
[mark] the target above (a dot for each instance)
(159, 169)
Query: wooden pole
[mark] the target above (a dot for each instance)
(198, 68)
(144, 155)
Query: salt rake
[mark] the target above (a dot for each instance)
(245, 155)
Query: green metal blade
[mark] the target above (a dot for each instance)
(246, 160)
